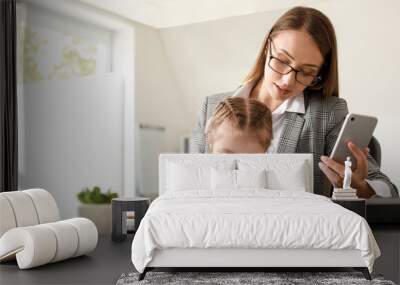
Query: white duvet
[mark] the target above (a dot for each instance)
(251, 218)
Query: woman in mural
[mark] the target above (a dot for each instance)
(296, 76)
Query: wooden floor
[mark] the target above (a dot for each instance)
(111, 259)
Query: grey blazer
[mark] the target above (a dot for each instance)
(313, 132)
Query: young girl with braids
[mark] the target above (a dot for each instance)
(239, 125)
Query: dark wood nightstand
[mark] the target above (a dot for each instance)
(120, 206)
(355, 205)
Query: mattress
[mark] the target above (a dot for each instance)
(251, 219)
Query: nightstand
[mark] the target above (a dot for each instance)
(120, 207)
(355, 205)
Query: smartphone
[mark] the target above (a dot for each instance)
(356, 128)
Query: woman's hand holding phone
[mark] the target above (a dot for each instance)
(334, 171)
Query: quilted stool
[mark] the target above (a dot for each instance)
(31, 232)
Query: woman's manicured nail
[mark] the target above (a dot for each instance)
(324, 158)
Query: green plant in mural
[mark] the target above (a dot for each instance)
(32, 46)
(74, 64)
(95, 196)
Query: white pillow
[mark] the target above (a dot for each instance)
(187, 177)
(251, 178)
(292, 178)
(237, 179)
(223, 179)
(281, 174)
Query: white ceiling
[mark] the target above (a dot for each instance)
(171, 13)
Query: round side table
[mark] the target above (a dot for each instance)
(120, 206)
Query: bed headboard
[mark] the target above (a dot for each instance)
(237, 159)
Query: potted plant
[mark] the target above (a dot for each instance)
(96, 206)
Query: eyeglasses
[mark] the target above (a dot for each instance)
(283, 68)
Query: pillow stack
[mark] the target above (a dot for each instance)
(236, 175)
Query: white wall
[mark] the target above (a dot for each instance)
(214, 57)
(159, 101)
(170, 13)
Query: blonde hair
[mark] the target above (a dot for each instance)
(319, 27)
(244, 115)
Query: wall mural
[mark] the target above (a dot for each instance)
(50, 54)
(78, 59)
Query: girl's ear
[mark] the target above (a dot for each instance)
(208, 144)
(208, 134)
(209, 148)
(207, 127)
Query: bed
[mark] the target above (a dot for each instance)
(247, 210)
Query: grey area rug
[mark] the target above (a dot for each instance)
(225, 278)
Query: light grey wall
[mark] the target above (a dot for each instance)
(70, 124)
(73, 137)
(215, 56)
